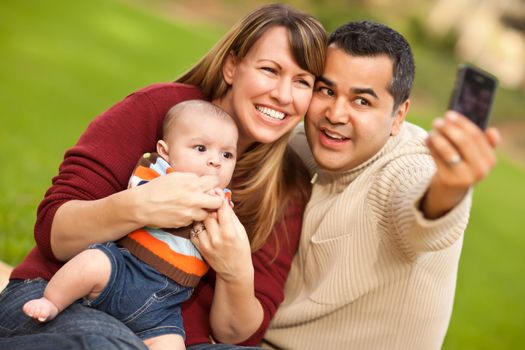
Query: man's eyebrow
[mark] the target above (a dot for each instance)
(368, 91)
(356, 90)
(325, 81)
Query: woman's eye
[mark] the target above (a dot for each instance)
(269, 69)
(200, 148)
(305, 82)
(227, 155)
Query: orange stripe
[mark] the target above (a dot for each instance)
(145, 173)
(188, 264)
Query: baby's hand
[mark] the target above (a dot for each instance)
(217, 192)
(225, 195)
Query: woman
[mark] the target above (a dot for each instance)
(262, 73)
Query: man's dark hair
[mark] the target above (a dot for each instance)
(366, 38)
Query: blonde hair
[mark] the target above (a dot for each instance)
(263, 185)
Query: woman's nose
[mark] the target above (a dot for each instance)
(282, 91)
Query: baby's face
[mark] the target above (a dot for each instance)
(205, 146)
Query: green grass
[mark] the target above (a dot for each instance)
(63, 62)
(489, 306)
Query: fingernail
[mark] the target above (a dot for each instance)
(438, 123)
(452, 116)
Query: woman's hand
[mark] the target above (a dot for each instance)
(225, 245)
(464, 155)
(176, 200)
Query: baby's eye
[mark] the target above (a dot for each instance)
(200, 148)
(228, 155)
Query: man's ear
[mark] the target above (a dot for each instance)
(228, 68)
(163, 150)
(399, 117)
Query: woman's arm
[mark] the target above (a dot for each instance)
(163, 202)
(247, 294)
(235, 313)
(85, 204)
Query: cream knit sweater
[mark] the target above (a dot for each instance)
(371, 272)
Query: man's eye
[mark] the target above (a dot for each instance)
(362, 101)
(325, 91)
(200, 148)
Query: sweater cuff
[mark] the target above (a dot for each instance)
(425, 234)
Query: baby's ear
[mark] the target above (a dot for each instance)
(163, 150)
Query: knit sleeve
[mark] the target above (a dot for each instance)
(400, 187)
(103, 158)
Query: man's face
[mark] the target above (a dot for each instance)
(351, 114)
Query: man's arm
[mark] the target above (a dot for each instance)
(464, 155)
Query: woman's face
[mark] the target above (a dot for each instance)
(269, 92)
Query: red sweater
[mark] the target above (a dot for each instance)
(100, 164)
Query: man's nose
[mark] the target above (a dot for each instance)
(338, 112)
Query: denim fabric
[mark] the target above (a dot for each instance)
(77, 327)
(207, 346)
(139, 296)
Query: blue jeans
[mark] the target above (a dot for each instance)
(139, 296)
(221, 347)
(77, 327)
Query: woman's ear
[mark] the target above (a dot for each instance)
(228, 68)
(163, 150)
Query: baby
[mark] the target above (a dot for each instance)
(143, 278)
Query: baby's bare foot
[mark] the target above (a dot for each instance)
(41, 309)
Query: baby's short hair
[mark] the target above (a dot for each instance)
(197, 106)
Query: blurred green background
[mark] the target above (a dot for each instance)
(64, 62)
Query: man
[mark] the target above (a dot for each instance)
(383, 230)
